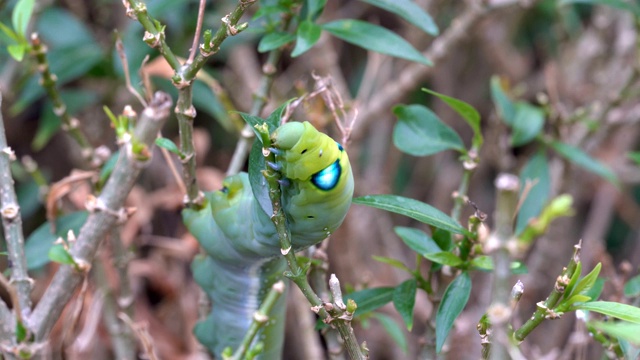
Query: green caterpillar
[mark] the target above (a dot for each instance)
(242, 248)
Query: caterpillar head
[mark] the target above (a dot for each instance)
(307, 154)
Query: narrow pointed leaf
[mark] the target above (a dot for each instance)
(535, 177)
(468, 113)
(453, 302)
(624, 330)
(404, 300)
(374, 38)
(392, 328)
(444, 258)
(617, 310)
(417, 240)
(275, 40)
(505, 107)
(393, 262)
(370, 299)
(527, 123)
(582, 159)
(409, 11)
(414, 209)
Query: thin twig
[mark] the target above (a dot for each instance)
(196, 36)
(125, 68)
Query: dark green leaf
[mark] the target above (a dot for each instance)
(275, 40)
(404, 299)
(412, 208)
(420, 132)
(312, 9)
(527, 123)
(624, 330)
(417, 240)
(596, 289)
(393, 262)
(307, 35)
(59, 254)
(370, 299)
(374, 38)
(41, 240)
(632, 287)
(468, 113)
(583, 160)
(453, 301)
(573, 280)
(21, 331)
(393, 330)
(504, 106)
(21, 15)
(617, 4)
(534, 177)
(409, 11)
(168, 145)
(617, 310)
(443, 239)
(107, 168)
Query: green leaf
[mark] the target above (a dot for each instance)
(275, 40)
(573, 300)
(404, 299)
(587, 282)
(632, 287)
(583, 160)
(107, 169)
(374, 38)
(417, 240)
(483, 262)
(168, 145)
(409, 11)
(312, 9)
(21, 332)
(10, 33)
(504, 106)
(307, 35)
(59, 254)
(393, 262)
(393, 330)
(617, 4)
(21, 16)
(635, 156)
(412, 208)
(536, 174)
(444, 258)
(527, 123)
(370, 299)
(573, 281)
(617, 310)
(623, 330)
(37, 246)
(453, 302)
(17, 51)
(420, 132)
(468, 113)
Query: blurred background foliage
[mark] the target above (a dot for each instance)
(555, 83)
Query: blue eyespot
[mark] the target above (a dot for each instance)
(327, 178)
(339, 146)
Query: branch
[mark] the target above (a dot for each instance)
(12, 224)
(107, 210)
(499, 313)
(69, 124)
